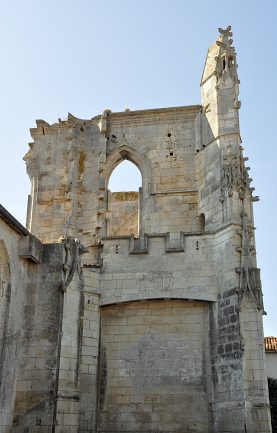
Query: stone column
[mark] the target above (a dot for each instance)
(90, 333)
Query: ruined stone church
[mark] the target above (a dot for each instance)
(136, 312)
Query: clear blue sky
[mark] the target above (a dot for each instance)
(61, 56)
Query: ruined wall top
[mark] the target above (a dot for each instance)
(181, 152)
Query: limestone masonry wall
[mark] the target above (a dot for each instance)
(136, 311)
(123, 213)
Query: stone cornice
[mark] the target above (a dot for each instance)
(149, 116)
(152, 116)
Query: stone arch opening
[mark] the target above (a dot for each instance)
(123, 204)
(127, 153)
(126, 194)
(125, 177)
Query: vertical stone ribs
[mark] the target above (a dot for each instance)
(73, 249)
(249, 281)
(234, 175)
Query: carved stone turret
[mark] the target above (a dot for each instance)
(220, 87)
(220, 130)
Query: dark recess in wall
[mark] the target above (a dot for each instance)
(272, 388)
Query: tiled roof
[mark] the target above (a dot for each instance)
(270, 343)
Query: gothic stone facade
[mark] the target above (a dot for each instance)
(139, 311)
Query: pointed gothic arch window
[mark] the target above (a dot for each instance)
(124, 200)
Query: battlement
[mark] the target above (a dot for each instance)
(141, 245)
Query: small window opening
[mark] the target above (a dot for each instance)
(171, 153)
(169, 134)
(123, 201)
(201, 221)
(197, 245)
(224, 64)
(230, 61)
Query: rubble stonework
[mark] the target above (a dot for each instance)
(136, 311)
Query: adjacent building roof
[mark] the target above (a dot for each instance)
(270, 344)
(9, 219)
